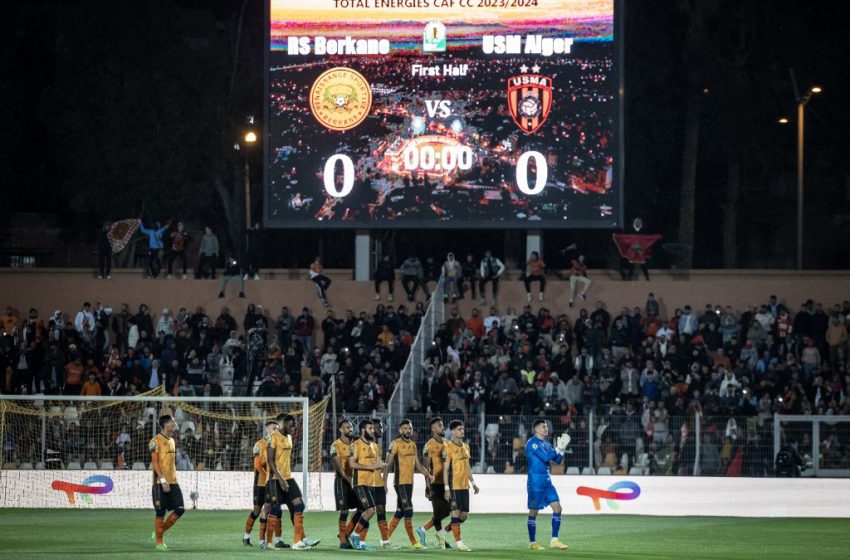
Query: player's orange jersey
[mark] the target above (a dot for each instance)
(434, 449)
(377, 475)
(261, 475)
(403, 453)
(282, 446)
(364, 453)
(165, 449)
(342, 450)
(457, 461)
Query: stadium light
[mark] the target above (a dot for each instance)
(783, 120)
(250, 139)
(801, 105)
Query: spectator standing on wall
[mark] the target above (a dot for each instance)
(179, 240)
(468, 275)
(208, 253)
(535, 271)
(322, 282)
(432, 272)
(155, 245)
(252, 252)
(452, 272)
(385, 272)
(578, 277)
(104, 252)
(232, 273)
(490, 270)
(412, 276)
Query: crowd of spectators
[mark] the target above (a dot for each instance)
(643, 375)
(101, 351)
(646, 377)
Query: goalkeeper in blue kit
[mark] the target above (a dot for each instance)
(541, 491)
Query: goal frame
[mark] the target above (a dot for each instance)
(303, 401)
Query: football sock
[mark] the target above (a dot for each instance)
(532, 529)
(382, 526)
(249, 523)
(273, 529)
(456, 528)
(342, 527)
(408, 526)
(157, 526)
(172, 519)
(556, 525)
(298, 524)
(394, 523)
(263, 529)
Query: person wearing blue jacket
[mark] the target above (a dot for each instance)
(156, 246)
(541, 492)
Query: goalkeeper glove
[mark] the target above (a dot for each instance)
(562, 443)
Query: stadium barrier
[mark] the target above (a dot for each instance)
(410, 376)
(582, 495)
(616, 444)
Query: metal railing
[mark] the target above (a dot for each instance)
(617, 444)
(817, 445)
(692, 445)
(410, 376)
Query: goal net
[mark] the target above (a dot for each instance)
(100, 445)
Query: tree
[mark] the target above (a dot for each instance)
(145, 109)
(698, 13)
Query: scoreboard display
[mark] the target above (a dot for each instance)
(451, 113)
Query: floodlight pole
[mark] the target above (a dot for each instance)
(801, 137)
(247, 201)
(800, 140)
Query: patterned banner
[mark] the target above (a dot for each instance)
(121, 232)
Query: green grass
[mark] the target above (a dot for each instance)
(125, 534)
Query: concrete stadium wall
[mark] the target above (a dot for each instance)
(582, 495)
(66, 289)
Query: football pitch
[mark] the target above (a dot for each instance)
(34, 533)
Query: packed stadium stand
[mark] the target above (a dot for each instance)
(629, 376)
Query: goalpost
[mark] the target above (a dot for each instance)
(93, 440)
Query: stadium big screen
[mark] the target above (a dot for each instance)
(456, 113)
